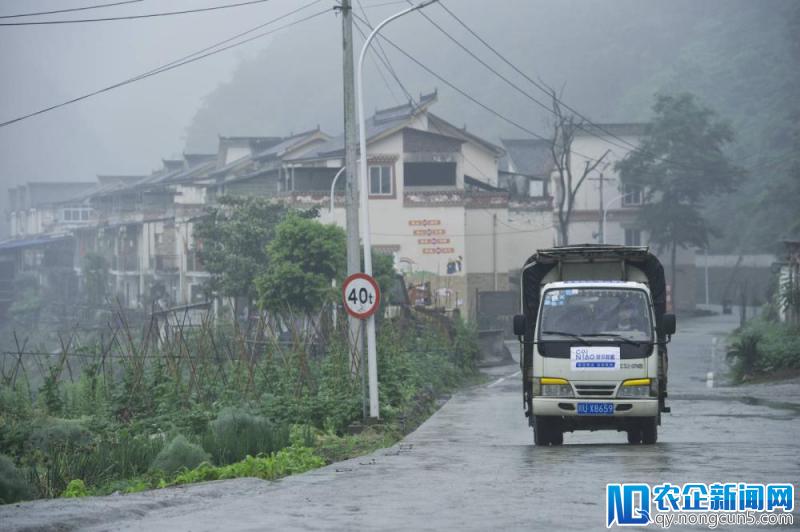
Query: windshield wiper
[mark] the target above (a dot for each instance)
(571, 335)
(618, 337)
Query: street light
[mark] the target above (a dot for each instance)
(605, 212)
(333, 185)
(372, 356)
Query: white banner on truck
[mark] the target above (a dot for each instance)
(594, 358)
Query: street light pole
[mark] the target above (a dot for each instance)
(333, 186)
(372, 356)
(605, 213)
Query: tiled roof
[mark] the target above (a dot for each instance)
(383, 121)
(453, 130)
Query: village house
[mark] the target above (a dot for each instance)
(459, 214)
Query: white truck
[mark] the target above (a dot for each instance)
(593, 333)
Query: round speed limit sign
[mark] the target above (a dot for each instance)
(361, 295)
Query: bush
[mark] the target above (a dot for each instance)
(235, 434)
(76, 488)
(13, 486)
(763, 347)
(179, 454)
(292, 460)
(53, 434)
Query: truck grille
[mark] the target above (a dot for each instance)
(603, 390)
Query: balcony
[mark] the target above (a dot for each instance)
(455, 198)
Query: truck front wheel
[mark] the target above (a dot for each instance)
(634, 435)
(546, 431)
(650, 431)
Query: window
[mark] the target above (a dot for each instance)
(633, 237)
(429, 174)
(380, 180)
(76, 214)
(535, 188)
(633, 195)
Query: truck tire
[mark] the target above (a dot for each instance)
(541, 431)
(650, 431)
(556, 436)
(634, 435)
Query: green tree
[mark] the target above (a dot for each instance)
(305, 256)
(232, 241)
(679, 164)
(780, 196)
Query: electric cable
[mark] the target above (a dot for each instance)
(134, 17)
(70, 10)
(195, 56)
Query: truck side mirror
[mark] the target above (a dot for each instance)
(668, 324)
(519, 325)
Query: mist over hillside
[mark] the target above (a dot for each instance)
(608, 59)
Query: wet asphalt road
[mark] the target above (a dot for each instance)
(473, 466)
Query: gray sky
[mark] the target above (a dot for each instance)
(127, 130)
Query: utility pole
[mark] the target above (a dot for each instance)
(601, 179)
(350, 165)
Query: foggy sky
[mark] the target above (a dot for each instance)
(597, 51)
(127, 130)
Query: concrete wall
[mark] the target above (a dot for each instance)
(728, 278)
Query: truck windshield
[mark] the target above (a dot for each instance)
(596, 312)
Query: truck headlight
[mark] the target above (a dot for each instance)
(636, 388)
(552, 387)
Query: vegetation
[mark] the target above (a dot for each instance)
(205, 404)
(13, 486)
(232, 242)
(305, 256)
(764, 348)
(132, 409)
(679, 164)
(179, 454)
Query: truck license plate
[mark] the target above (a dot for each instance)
(595, 409)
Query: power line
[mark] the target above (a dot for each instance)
(517, 87)
(457, 89)
(385, 55)
(133, 17)
(378, 60)
(70, 10)
(468, 96)
(484, 63)
(545, 89)
(195, 56)
(483, 174)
